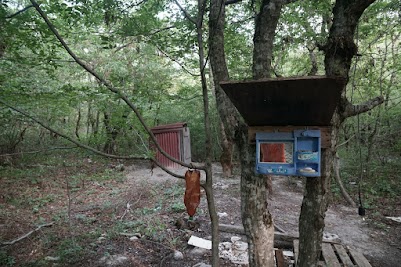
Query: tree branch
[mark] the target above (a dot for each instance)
(81, 145)
(285, 2)
(167, 170)
(37, 151)
(346, 141)
(336, 165)
(19, 12)
(109, 86)
(67, 137)
(26, 235)
(312, 57)
(351, 110)
(186, 14)
(137, 4)
(162, 29)
(230, 2)
(176, 61)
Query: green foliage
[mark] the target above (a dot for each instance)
(148, 50)
(178, 207)
(70, 251)
(107, 175)
(175, 192)
(40, 202)
(5, 259)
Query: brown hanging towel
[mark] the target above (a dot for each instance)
(192, 191)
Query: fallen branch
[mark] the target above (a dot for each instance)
(128, 209)
(37, 151)
(26, 235)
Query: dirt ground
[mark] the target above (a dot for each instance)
(382, 247)
(131, 218)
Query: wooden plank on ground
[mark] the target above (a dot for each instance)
(296, 251)
(329, 255)
(342, 253)
(279, 258)
(281, 240)
(359, 259)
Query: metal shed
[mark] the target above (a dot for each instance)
(175, 140)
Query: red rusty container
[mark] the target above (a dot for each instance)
(175, 140)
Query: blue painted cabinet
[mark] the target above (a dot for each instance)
(294, 153)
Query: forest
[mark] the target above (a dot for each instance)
(82, 82)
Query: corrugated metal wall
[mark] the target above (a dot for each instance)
(175, 140)
(169, 141)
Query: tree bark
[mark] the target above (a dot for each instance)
(339, 51)
(111, 135)
(265, 28)
(227, 112)
(227, 153)
(337, 175)
(208, 142)
(88, 118)
(78, 124)
(256, 218)
(313, 210)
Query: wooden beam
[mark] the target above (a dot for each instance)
(342, 253)
(281, 240)
(329, 255)
(279, 258)
(296, 251)
(359, 259)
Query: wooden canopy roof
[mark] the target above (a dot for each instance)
(299, 101)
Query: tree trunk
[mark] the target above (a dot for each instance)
(313, 210)
(339, 51)
(227, 145)
(95, 126)
(256, 218)
(78, 124)
(227, 153)
(226, 110)
(111, 135)
(265, 28)
(337, 175)
(88, 118)
(208, 142)
(257, 221)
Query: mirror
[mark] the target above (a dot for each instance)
(276, 152)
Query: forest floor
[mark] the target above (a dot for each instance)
(104, 216)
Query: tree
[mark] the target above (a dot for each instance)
(257, 220)
(339, 50)
(283, 44)
(114, 131)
